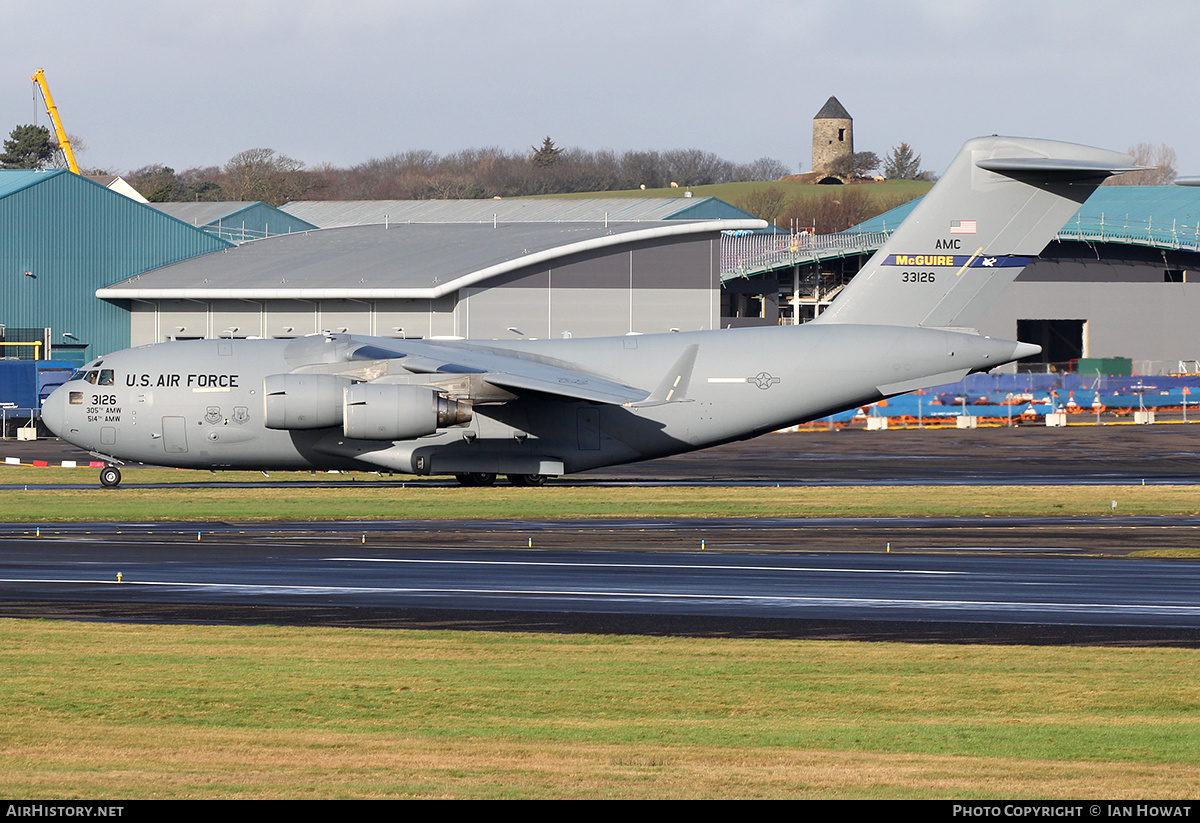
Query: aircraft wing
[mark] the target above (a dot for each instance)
(504, 368)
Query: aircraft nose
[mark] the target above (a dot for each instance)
(54, 411)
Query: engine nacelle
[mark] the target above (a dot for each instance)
(387, 411)
(303, 401)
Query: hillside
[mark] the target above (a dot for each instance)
(787, 202)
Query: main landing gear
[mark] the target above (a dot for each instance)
(110, 477)
(489, 479)
(476, 478)
(527, 479)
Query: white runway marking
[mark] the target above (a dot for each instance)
(674, 567)
(778, 600)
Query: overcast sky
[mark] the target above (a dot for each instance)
(344, 81)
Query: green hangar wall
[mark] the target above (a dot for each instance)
(61, 238)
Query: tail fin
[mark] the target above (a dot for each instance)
(997, 206)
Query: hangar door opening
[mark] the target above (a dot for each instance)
(1061, 340)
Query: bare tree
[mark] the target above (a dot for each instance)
(762, 169)
(1160, 161)
(840, 208)
(261, 174)
(694, 167)
(766, 203)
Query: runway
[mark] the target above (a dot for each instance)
(480, 576)
(986, 579)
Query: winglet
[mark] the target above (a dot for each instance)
(997, 206)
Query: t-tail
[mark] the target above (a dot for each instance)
(1000, 203)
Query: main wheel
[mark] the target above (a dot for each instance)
(527, 479)
(476, 478)
(110, 477)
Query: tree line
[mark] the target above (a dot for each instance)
(470, 174)
(272, 177)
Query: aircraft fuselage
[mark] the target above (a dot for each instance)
(202, 404)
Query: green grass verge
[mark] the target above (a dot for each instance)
(1166, 553)
(794, 191)
(362, 497)
(122, 711)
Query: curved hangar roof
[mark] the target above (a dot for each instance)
(402, 261)
(332, 213)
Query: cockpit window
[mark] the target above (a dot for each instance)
(106, 377)
(77, 375)
(91, 376)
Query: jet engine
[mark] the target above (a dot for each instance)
(303, 401)
(386, 411)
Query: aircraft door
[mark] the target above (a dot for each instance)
(174, 431)
(588, 424)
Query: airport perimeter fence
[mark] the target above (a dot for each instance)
(1024, 398)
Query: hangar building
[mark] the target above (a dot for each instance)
(606, 210)
(62, 236)
(235, 221)
(490, 280)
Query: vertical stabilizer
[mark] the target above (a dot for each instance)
(997, 206)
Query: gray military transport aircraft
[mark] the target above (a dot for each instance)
(530, 409)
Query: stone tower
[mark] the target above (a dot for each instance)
(833, 134)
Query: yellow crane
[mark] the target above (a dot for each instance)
(39, 77)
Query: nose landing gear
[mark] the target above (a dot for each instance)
(110, 477)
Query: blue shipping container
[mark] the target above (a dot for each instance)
(24, 384)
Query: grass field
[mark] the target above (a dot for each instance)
(732, 192)
(122, 711)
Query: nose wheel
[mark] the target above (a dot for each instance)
(110, 477)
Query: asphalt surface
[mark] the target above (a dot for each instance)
(1018, 455)
(487, 578)
(1024, 455)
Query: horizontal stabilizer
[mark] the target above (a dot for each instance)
(1068, 169)
(994, 210)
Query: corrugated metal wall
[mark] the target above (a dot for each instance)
(234, 221)
(62, 237)
(254, 222)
